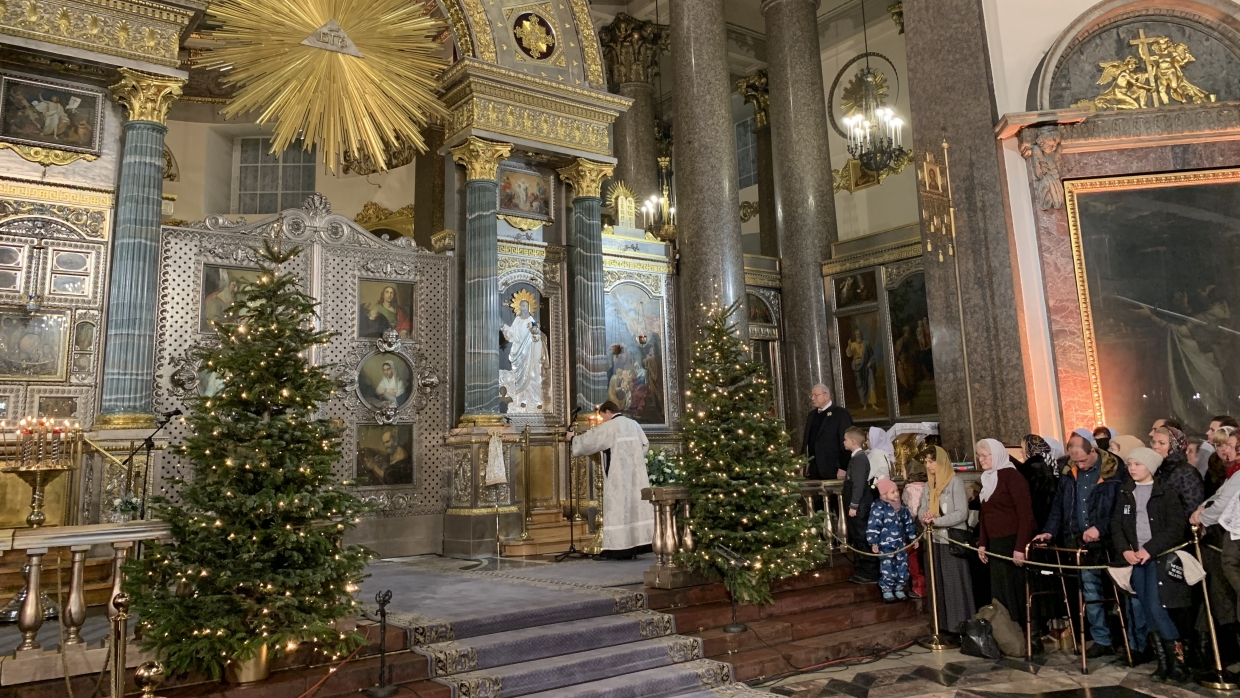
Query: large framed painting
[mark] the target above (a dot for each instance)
(33, 346)
(383, 306)
(860, 288)
(524, 192)
(221, 287)
(864, 372)
(384, 454)
(50, 114)
(912, 354)
(635, 340)
(1156, 262)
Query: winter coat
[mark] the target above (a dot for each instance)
(857, 484)
(1169, 528)
(1063, 523)
(889, 529)
(954, 503)
(1180, 475)
(1042, 487)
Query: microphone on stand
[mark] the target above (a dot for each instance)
(173, 413)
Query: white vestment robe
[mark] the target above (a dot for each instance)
(627, 520)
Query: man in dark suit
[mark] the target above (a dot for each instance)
(824, 437)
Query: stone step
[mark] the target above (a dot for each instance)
(693, 678)
(514, 646)
(789, 656)
(802, 626)
(662, 599)
(547, 516)
(714, 615)
(543, 675)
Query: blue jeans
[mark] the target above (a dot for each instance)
(1091, 588)
(1145, 583)
(1138, 630)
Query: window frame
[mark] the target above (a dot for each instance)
(234, 201)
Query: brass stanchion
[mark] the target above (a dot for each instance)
(938, 641)
(120, 633)
(1220, 679)
(528, 517)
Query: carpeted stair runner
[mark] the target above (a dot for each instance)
(700, 678)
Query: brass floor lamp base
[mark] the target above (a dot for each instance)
(1218, 680)
(939, 642)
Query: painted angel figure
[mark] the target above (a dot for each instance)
(56, 119)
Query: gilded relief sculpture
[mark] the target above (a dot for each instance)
(1161, 83)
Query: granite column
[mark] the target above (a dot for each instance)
(589, 314)
(481, 304)
(754, 90)
(948, 56)
(708, 225)
(129, 354)
(631, 48)
(804, 196)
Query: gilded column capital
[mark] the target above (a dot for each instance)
(586, 176)
(631, 49)
(753, 89)
(147, 96)
(480, 158)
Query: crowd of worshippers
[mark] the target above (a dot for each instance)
(1119, 501)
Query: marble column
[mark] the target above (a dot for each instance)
(129, 353)
(481, 305)
(631, 48)
(589, 314)
(754, 90)
(951, 97)
(804, 195)
(708, 222)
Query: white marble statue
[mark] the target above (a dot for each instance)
(528, 356)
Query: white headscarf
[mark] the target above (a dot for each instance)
(1056, 445)
(881, 454)
(999, 456)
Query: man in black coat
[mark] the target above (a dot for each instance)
(824, 437)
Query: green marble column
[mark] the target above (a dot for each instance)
(129, 354)
(481, 303)
(589, 313)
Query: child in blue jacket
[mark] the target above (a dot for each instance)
(891, 527)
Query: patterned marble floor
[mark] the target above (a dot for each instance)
(918, 672)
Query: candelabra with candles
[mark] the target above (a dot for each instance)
(659, 212)
(875, 139)
(39, 450)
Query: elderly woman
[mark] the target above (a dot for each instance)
(1006, 525)
(945, 505)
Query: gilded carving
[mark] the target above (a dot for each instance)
(364, 164)
(522, 223)
(46, 156)
(588, 41)
(586, 176)
(1041, 148)
(91, 223)
(480, 158)
(459, 29)
(443, 241)
(1160, 83)
(749, 209)
(852, 177)
(373, 216)
(147, 96)
(652, 282)
(631, 48)
(87, 211)
(754, 90)
(484, 41)
(136, 30)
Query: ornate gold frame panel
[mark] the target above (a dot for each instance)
(654, 275)
(1072, 189)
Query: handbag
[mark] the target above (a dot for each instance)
(967, 536)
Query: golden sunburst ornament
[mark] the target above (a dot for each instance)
(344, 75)
(523, 296)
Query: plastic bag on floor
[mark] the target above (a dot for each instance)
(977, 639)
(1006, 632)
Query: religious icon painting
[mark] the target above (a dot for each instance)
(635, 340)
(50, 114)
(858, 288)
(864, 374)
(58, 407)
(383, 306)
(84, 336)
(524, 192)
(384, 455)
(33, 346)
(911, 346)
(384, 381)
(221, 287)
(759, 312)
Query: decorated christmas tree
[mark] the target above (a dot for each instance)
(742, 476)
(256, 557)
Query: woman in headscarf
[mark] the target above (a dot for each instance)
(945, 505)
(1058, 456)
(1176, 472)
(882, 454)
(1037, 472)
(1006, 526)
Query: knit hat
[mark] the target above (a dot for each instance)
(884, 485)
(1147, 457)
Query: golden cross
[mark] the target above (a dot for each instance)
(534, 37)
(1143, 48)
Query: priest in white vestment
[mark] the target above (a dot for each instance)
(628, 522)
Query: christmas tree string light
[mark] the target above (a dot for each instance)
(257, 552)
(740, 475)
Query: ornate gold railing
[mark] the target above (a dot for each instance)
(673, 534)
